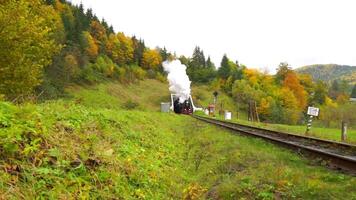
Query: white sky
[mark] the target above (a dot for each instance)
(257, 33)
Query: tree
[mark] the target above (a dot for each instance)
(224, 69)
(200, 70)
(320, 93)
(290, 106)
(282, 70)
(209, 64)
(291, 81)
(120, 48)
(353, 93)
(89, 45)
(27, 44)
(139, 49)
(151, 59)
(198, 58)
(67, 19)
(307, 82)
(98, 31)
(164, 54)
(71, 68)
(334, 90)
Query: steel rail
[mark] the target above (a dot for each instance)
(339, 156)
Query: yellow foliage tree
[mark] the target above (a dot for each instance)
(151, 59)
(28, 42)
(120, 48)
(265, 106)
(125, 51)
(290, 105)
(71, 67)
(252, 76)
(98, 31)
(90, 45)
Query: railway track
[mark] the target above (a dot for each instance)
(336, 155)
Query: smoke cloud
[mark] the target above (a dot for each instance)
(178, 79)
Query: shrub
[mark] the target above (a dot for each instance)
(90, 75)
(160, 77)
(138, 73)
(130, 105)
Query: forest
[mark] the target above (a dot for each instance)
(49, 45)
(79, 117)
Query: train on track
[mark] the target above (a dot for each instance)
(187, 107)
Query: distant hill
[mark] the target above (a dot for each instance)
(330, 72)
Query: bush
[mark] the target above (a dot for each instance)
(138, 73)
(90, 75)
(332, 116)
(130, 105)
(161, 78)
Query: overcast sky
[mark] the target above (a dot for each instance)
(257, 33)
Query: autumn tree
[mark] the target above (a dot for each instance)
(151, 59)
(291, 81)
(98, 32)
(27, 40)
(291, 110)
(320, 93)
(125, 51)
(307, 82)
(89, 45)
(282, 71)
(71, 68)
(120, 48)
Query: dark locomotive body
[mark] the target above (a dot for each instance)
(183, 108)
(187, 107)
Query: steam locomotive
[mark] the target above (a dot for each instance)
(183, 108)
(187, 107)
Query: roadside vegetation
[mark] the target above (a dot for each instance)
(79, 120)
(66, 46)
(63, 149)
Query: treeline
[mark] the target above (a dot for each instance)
(46, 45)
(280, 98)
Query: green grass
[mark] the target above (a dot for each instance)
(319, 132)
(91, 147)
(147, 94)
(203, 96)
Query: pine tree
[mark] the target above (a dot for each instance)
(198, 58)
(224, 70)
(209, 64)
(139, 49)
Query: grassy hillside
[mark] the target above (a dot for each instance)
(330, 72)
(145, 95)
(90, 147)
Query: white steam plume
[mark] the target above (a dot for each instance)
(178, 79)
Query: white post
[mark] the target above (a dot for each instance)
(343, 131)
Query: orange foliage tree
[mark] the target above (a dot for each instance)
(292, 82)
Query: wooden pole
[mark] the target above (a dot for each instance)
(257, 117)
(343, 131)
